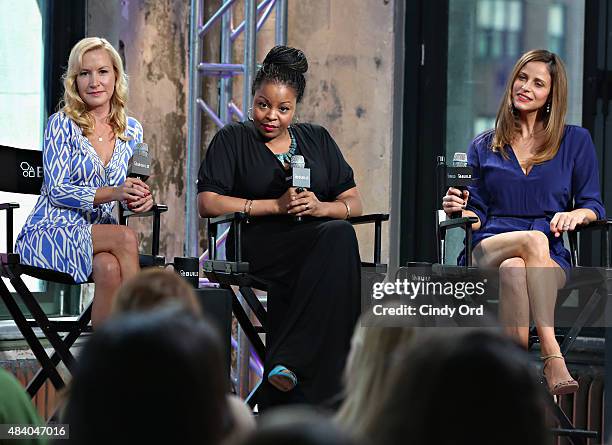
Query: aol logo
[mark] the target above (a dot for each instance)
(29, 172)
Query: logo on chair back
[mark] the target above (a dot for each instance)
(188, 273)
(29, 171)
(22, 170)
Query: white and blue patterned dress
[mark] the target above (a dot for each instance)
(57, 234)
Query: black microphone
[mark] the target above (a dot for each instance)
(459, 176)
(139, 165)
(300, 176)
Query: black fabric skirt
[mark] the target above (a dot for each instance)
(313, 272)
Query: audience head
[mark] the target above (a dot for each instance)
(474, 388)
(367, 370)
(152, 288)
(149, 377)
(95, 78)
(297, 425)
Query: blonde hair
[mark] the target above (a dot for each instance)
(507, 121)
(155, 287)
(74, 106)
(373, 348)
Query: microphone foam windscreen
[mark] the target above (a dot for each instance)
(460, 159)
(141, 148)
(297, 161)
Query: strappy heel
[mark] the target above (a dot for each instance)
(561, 388)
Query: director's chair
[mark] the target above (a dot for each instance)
(12, 268)
(236, 273)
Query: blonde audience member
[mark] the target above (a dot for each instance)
(373, 348)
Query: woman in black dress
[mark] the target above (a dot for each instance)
(312, 267)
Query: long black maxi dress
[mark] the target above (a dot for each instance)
(312, 267)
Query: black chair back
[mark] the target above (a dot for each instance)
(22, 170)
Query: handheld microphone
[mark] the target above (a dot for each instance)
(139, 165)
(459, 176)
(300, 176)
(441, 176)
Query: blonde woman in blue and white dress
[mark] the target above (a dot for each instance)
(86, 150)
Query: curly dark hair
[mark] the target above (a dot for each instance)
(283, 65)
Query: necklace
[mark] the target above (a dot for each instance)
(285, 158)
(100, 139)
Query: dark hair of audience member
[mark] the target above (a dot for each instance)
(297, 425)
(153, 287)
(283, 65)
(475, 388)
(151, 377)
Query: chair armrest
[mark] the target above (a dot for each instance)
(599, 224)
(458, 222)
(377, 219)
(155, 212)
(9, 207)
(228, 217)
(602, 225)
(370, 218)
(466, 224)
(236, 219)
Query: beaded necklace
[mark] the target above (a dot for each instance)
(285, 158)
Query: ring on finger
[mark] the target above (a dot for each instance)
(306, 206)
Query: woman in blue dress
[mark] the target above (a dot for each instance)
(535, 178)
(86, 150)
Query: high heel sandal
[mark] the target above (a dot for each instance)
(282, 379)
(561, 388)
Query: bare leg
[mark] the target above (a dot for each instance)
(115, 260)
(543, 278)
(107, 277)
(514, 300)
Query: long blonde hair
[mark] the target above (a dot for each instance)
(73, 105)
(507, 121)
(373, 348)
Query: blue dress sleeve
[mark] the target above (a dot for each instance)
(57, 153)
(479, 197)
(136, 130)
(585, 177)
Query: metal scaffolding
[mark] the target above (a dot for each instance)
(224, 70)
(255, 16)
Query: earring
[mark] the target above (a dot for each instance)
(295, 119)
(548, 108)
(250, 113)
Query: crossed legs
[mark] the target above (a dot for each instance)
(529, 280)
(115, 260)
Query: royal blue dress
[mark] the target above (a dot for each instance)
(506, 199)
(57, 234)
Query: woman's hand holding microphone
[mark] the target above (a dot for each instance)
(136, 194)
(455, 200)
